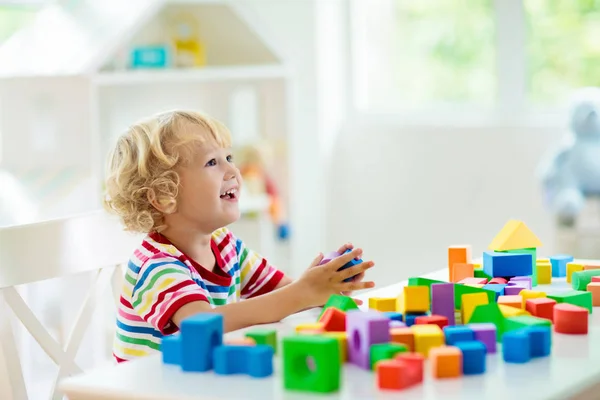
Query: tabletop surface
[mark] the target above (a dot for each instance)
(573, 365)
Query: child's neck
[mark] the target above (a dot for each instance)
(194, 244)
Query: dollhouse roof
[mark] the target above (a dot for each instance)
(79, 37)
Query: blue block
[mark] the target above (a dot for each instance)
(200, 335)
(458, 333)
(498, 288)
(394, 316)
(474, 353)
(498, 264)
(260, 361)
(559, 265)
(516, 346)
(349, 264)
(409, 318)
(540, 340)
(255, 361)
(170, 346)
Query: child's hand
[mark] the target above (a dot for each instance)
(319, 282)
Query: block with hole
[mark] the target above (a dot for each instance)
(341, 302)
(541, 307)
(457, 333)
(264, 336)
(342, 338)
(333, 320)
(512, 301)
(255, 361)
(570, 319)
(381, 304)
(200, 335)
(473, 356)
(442, 301)
(462, 271)
(427, 337)
(544, 273)
(581, 298)
(498, 264)
(438, 320)
(385, 351)
(403, 336)
(559, 265)
(508, 311)
(486, 334)
(458, 254)
(365, 329)
(594, 289)
(469, 302)
(527, 294)
(573, 267)
(311, 364)
(580, 279)
(489, 313)
(446, 362)
(414, 299)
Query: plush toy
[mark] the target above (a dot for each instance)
(572, 172)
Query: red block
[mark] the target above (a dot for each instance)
(542, 307)
(570, 319)
(333, 320)
(498, 281)
(438, 320)
(595, 278)
(396, 375)
(415, 362)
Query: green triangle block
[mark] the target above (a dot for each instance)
(524, 321)
(489, 313)
(480, 273)
(341, 302)
(574, 297)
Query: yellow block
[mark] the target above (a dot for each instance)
(477, 285)
(573, 267)
(427, 337)
(530, 294)
(544, 272)
(469, 302)
(414, 299)
(477, 266)
(513, 236)
(316, 326)
(509, 311)
(342, 338)
(387, 304)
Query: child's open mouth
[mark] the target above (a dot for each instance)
(230, 194)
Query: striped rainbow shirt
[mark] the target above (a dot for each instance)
(160, 279)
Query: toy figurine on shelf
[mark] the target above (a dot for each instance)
(188, 50)
(257, 181)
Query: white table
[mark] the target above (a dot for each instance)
(573, 367)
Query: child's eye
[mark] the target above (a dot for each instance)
(230, 158)
(211, 163)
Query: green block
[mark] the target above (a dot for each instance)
(385, 351)
(479, 273)
(460, 289)
(533, 252)
(264, 336)
(340, 302)
(418, 281)
(576, 297)
(580, 279)
(489, 313)
(523, 321)
(311, 364)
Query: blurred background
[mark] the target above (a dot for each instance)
(401, 126)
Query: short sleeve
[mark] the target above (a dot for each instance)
(164, 285)
(257, 275)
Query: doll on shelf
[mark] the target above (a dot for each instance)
(189, 51)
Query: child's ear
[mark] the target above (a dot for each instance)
(164, 205)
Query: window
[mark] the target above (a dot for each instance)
(16, 13)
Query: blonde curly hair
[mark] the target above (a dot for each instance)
(142, 165)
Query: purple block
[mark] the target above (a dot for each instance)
(486, 333)
(514, 287)
(442, 301)
(329, 256)
(397, 324)
(526, 279)
(365, 328)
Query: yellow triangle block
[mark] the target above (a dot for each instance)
(515, 235)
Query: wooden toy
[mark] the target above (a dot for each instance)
(264, 336)
(541, 307)
(486, 334)
(333, 320)
(516, 346)
(414, 299)
(383, 304)
(559, 265)
(508, 311)
(312, 327)
(460, 254)
(442, 300)
(595, 279)
(469, 302)
(343, 303)
(170, 347)
(458, 333)
(438, 320)
(576, 297)
(427, 337)
(527, 294)
(499, 264)
(385, 351)
(446, 362)
(415, 362)
(500, 281)
(365, 329)
(489, 313)
(580, 279)
(311, 364)
(570, 319)
(255, 361)
(245, 341)
(395, 375)
(474, 281)
(514, 288)
(496, 288)
(342, 338)
(594, 289)
(462, 271)
(404, 336)
(473, 357)
(200, 335)
(573, 267)
(511, 301)
(544, 273)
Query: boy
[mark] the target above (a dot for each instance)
(173, 178)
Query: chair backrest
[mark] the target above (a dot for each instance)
(94, 243)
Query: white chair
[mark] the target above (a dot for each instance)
(94, 244)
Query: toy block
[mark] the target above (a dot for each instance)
(469, 302)
(394, 316)
(385, 351)
(395, 375)
(540, 340)
(442, 300)
(513, 288)
(594, 289)
(342, 338)
(489, 313)
(522, 279)
(453, 334)
(498, 264)
(527, 294)
(477, 285)
(343, 303)
(312, 327)
(544, 274)
(524, 321)
(477, 265)
(595, 279)
(496, 288)
(333, 320)
(473, 357)
(580, 280)
(334, 254)
(516, 346)
(446, 362)
(486, 334)
(365, 329)
(460, 290)
(255, 361)
(404, 336)
(573, 267)
(382, 304)
(200, 335)
(508, 311)
(462, 271)
(415, 361)
(311, 363)
(533, 253)
(497, 281)
(559, 265)
(459, 254)
(411, 318)
(511, 301)
(576, 297)
(170, 347)
(397, 324)
(264, 336)
(474, 281)
(570, 319)
(427, 337)
(438, 320)
(244, 341)
(541, 307)
(590, 267)
(419, 281)
(514, 235)
(479, 272)
(414, 299)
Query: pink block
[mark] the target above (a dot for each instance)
(473, 281)
(442, 301)
(498, 281)
(595, 278)
(365, 328)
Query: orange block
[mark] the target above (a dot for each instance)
(415, 362)
(446, 362)
(395, 375)
(333, 320)
(462, 271)
(594, 287)
(403, 335)
(458, 255)
(595, 278)
(588, 267)
(515, 301)
(570, 319)
(245, 341)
